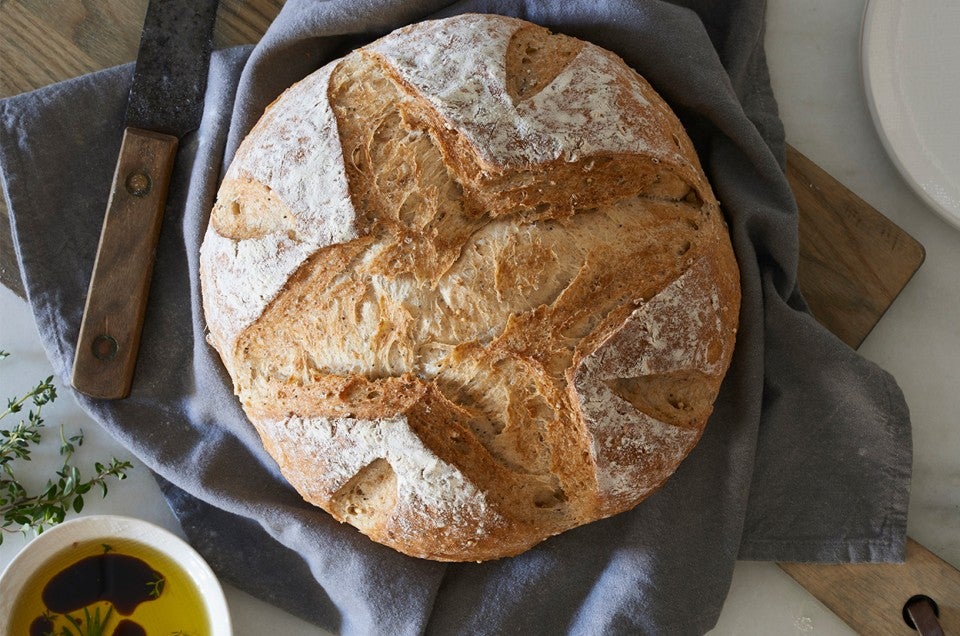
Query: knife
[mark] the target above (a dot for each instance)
(165, 103)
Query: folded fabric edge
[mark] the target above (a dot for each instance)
(195, 516)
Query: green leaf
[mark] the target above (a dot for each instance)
(64, 491)
(50, 492)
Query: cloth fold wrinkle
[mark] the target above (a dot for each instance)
(760, 484)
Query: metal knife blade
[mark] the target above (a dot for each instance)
(171, 72)
(165, 102)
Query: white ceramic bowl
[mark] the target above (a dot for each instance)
(104, 529)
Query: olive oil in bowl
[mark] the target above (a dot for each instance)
(135, 579)
(96, 587)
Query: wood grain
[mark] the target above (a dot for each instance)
(853, 260)
(120, 285)
(870, 596)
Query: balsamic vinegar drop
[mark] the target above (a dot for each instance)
(120, 588)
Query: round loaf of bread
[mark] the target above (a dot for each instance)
(472, 287)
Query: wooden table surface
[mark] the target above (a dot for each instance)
(47, 41)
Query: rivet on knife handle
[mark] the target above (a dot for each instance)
(117, 297)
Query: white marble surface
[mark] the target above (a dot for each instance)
(814, 61)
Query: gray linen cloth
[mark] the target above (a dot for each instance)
(807, 456)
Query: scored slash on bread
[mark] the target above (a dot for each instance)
(472, 287)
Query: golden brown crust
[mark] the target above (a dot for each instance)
(466, 316)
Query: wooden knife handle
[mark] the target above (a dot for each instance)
(117, 297)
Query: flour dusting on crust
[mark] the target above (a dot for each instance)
(300, 160)
(679, 329)
(430, 490)
(251, 272)
(459, 65)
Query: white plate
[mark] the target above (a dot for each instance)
(910, 59)
(105, 528)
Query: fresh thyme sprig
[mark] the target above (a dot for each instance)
(91, 625)
(20, 510)
(155, 587)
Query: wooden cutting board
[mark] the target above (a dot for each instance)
(853, 263)
(853, 260)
